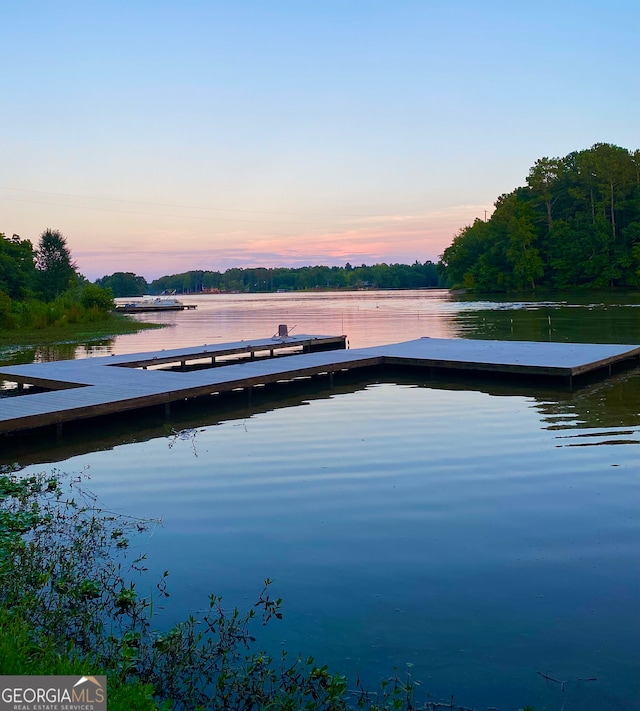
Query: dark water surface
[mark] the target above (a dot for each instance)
(482, 532)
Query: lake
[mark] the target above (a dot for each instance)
(481, 531)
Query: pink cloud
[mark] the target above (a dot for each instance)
(392, 238)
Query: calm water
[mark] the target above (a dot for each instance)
(481, 532)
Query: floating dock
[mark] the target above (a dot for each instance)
(139, 307)
(92, 387)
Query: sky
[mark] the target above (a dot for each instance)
(163, 136)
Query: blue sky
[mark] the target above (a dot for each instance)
(166, 136)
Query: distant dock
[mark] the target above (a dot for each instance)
(153, 304)
(93, 387)
(140, 308)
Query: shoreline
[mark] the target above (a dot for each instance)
(72, 333)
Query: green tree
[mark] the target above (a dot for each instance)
(17, 267)
(94, 296)
(543, 178)
(575, 224)
(57, 272)
(124, 284)
(461, 257)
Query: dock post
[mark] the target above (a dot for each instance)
(20, 387)
(331, 378)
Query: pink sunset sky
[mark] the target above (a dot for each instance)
(161, 137)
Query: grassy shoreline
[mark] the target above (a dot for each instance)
(114, 325)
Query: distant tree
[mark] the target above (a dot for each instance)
(124, 284)
(57, 272)
(211, 280)
(259, 279)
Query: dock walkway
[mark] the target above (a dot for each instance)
(91, 387)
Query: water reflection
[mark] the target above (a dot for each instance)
(604, 404)
(103, 434)
(47, 353)
(611, 407)
(586, 319)
(597, 324)
(368, 318)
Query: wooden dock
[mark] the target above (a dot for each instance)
(80, 389)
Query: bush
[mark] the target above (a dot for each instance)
(94, 296)
(90, 305)
(7, 318)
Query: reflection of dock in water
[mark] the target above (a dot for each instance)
(81, 389)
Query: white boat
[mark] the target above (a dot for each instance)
(153, 303)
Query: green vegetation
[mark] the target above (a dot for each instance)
(80, 314)
(43, 298)
(123, 284)
(69, 604)
(575, 225)
(378, 276)
(19, 655)
(17, 268)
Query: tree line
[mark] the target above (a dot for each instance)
(576, 224)
(262, 279)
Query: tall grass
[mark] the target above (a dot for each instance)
(20, 654)
(62, 311)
